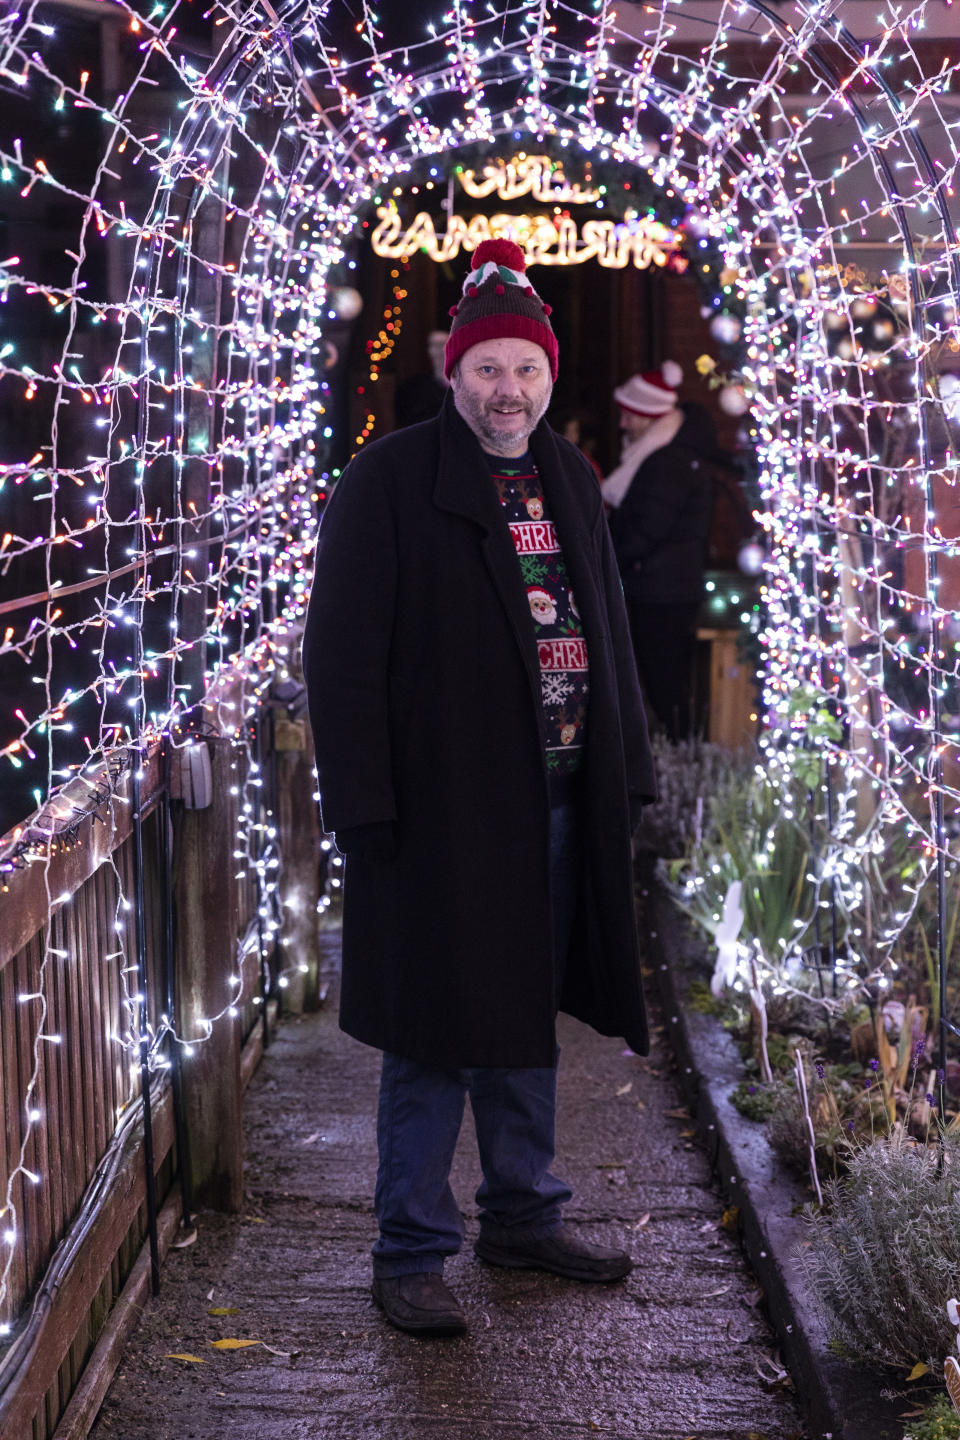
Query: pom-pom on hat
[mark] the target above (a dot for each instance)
(652, 392)
(499, 303)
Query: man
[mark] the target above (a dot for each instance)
(660, 499)
(482, 757)
(421, 397)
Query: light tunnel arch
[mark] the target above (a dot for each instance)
(321, 112)
(198, 339)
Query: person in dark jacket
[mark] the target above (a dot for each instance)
(421, 397)
(482, 757)
(660, 499)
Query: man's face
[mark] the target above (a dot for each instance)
(502, 389)
(633, 426)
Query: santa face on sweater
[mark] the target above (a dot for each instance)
(542, 606)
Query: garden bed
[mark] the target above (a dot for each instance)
(842, 1401)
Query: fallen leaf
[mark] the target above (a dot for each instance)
(730, 1218)
(255, 1219)
(919, 1369)
(705, 1229)
(641, 1105)
(311, 1138)
(681, 1113)
(712, 1294)
(284, 1354)
(779, 1376)
(687, 1134)
(193, 1359)
(185, 1238)
(224, 1310)
(644, 1219)
(232, 1344)
(625, 1089)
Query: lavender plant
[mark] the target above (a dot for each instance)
(883, 1255)
(689, 773)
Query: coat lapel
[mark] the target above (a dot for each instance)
(463, 487)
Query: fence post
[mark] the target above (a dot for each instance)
(299, 836)
(207, 921)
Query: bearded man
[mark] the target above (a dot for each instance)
(482, 757)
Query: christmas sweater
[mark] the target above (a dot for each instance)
(564, 675)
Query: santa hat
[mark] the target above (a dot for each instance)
(652, 392)
(499, 303)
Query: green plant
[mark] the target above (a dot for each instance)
(755, 836)
(883, 1256)
(843, 1111)
(754, 1100)
(938, 1422)
(724, 1008)
(925, 931)
(819, 727)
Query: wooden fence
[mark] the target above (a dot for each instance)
(142, 916)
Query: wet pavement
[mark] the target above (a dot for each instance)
(679, 1351)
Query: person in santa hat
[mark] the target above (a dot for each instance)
(660, 499)
(482, 756)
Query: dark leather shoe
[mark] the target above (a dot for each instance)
(561, 1253)
(420, 1304)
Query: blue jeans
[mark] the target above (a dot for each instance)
(421, 1110)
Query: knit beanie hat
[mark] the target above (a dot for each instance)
(652, 392)
(499, 303)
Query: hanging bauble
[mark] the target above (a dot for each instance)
(346, 302)
(834, 319)
(950, 395)
(750, 558)
(726, 328)
(696, 223)
(863, 308)
(733, 401)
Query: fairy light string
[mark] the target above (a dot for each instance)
(162, 506)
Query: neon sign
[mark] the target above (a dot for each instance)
(535, 175)
(555, 239)
(545, 240)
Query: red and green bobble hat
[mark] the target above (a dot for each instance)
(499, 303)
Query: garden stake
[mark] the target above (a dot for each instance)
(758, 1007)
(801, 1080)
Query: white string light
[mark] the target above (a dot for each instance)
(165, 518)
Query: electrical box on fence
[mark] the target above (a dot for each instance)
(191, 778)
(289, 734)
(289, 703)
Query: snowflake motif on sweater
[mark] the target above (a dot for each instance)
(564, 672)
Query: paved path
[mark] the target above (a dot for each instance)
(680, 1351)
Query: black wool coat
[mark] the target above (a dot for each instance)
(660, 530)
(424, 689)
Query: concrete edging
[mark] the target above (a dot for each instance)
(841, 1401)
